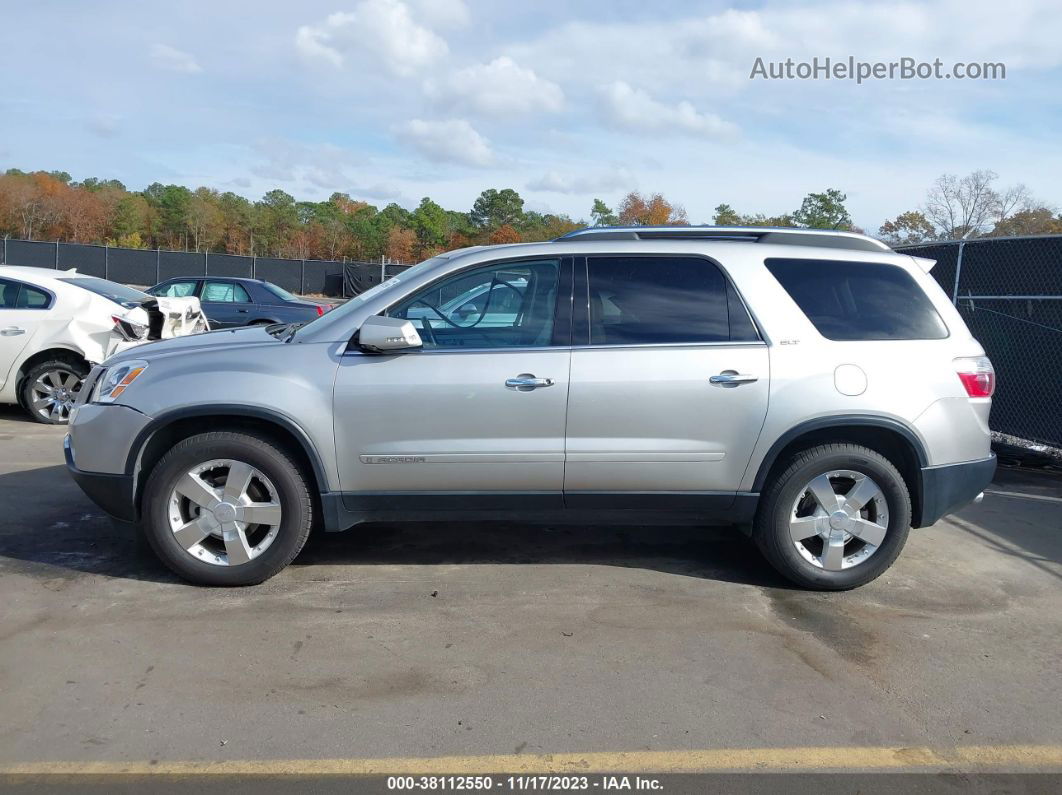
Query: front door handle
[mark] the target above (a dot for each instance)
(731, 377)
(12, 331)
(525, 382)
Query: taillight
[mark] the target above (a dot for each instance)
(129, 329)
(977, 375)
(320, 310)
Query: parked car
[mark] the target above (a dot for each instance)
(816, 389)
(54, 325)
(232, 302)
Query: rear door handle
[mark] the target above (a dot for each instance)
(12, 331)
(525, 382)
(731, 377)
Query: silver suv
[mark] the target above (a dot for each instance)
(816, 389)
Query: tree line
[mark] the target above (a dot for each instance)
(52, 206)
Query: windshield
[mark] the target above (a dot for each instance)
(119, 293)
(280, 292)
(360, 300)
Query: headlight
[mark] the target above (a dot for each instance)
(115, 380)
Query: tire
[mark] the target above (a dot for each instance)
(789, 508)
(261, 549)
(56, 379)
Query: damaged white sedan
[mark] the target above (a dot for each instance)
(54, 325)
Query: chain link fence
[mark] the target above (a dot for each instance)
(1009, 292)
(146, 267)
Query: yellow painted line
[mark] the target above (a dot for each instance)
(1024, 757)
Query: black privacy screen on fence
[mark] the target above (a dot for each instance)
(1009, 292)
(145, 268)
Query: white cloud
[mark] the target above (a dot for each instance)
(633, 109)
(170, 58)
(321, 165)
(501, 87)
(444, 13)
(452, 140)
(606, 181)
(381, 30)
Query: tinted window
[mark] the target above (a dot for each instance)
(226, 293)
(8, 294)
(32, 298)
(510, 305)
(654, 300)
(174, 290)
(859, 300)
(119, 293)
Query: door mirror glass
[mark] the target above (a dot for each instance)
(388, 335)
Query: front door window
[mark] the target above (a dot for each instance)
(499, 306)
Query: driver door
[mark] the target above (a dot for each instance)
(480, 410)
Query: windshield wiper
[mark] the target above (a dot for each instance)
(278, 329)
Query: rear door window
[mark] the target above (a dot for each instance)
(859, 300)
(32, 298)
(663, 300)
(16, 295)
(225, 293)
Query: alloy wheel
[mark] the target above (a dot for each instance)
(839, 519)
(224, 512)
(53, 394)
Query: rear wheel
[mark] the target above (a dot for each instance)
(50, 389)
(226, 509)
(835, 517)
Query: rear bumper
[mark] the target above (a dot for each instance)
(947, 488)
(112, 493)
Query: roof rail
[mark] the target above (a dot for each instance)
(823, 238)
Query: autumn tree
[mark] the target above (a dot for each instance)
(1031, 221)
(505, 234)
(654, 210)
(906, 229)
(401, 242)
(204, 218)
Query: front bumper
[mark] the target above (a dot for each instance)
(947, 488)
(113, 493)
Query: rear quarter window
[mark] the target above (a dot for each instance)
(859, 300)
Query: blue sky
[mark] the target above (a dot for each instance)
(392, 100)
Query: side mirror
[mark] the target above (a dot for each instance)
(380, 334)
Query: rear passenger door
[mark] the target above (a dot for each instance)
(669, 384)
(22, 308)
(226, 304)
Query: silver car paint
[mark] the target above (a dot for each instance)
(453, 411)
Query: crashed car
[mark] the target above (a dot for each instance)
(54, 325)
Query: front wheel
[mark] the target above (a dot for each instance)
(226, 509)
(834, 518)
